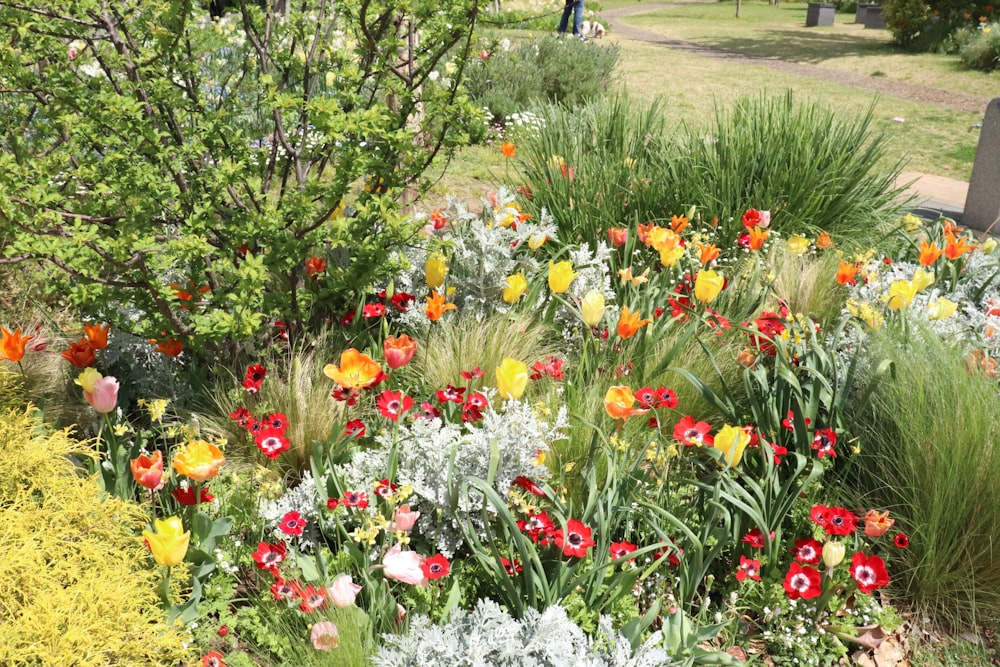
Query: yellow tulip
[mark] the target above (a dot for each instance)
(922, 279)
(941, 309)
(87, 379)
(797, 245)
(592, 308)
(707, 286)
(516, 287)
(561, 275)
(169, 543)
(901, 293)
(833, 554)
(198, 460)
(731, 441)
(670, 255)
(536, 241)
(512, 378)
(435, 270)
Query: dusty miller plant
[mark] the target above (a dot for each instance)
(147, 151)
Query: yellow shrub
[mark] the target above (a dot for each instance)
(76, 585)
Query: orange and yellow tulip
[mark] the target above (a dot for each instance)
(398, 350)
(356, 370)
(757, 237)
(198, 460)
(436, 306)
(847, 273)
(618, 402)
(147, 471)
(629, 323)
(12, 344)
(929, 253)
(97, 335)
(956, 247)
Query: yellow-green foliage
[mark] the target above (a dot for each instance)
(76, 586)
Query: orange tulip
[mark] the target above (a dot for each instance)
(398, 350)
(356, 371)
(80, 354)
(315, 266)
(643, 232)
(507, 148)
(198, 460)
(709, 253)
(678, 223)
(629, 323)
(148, 471)
(757, 237)
(618, 236)
(823, 241)
(12, 344)
(929, 253)
(846, 273)
(436, 306)
(618, 402)
(877, 523)
(170, 347)
(955, 248)
(97, 335)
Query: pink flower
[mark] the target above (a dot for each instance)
(404, 566)
(342, 591)
(404, 519)
(325, 636)
(104, 397)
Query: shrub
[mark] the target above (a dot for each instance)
(982, 51)
(534, 71)
(75, 579)
(905, 19)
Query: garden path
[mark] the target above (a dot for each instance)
(908, 91)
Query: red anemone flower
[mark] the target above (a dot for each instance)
(575, 540)
(807, 551)
(621, 550)
(254, 377)
(869, 572)
(749, 569)
(691, 433)
(435, 567)
(269, 556)
(392, 404)
(802, 582)
(292, 523)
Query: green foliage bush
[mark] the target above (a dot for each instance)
(77, 585)
(905, 19)
(535, 71)
(982, 51)
(148, 152)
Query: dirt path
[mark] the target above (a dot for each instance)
(907, 91)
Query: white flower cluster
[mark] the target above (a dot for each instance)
(427, 451)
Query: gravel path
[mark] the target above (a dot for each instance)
(907, 91)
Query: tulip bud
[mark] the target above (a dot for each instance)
(512, 378)
(561, 274)
(833, 553)
(988, 246)
(707, 286)
(435, 270)
(404, 519)
(592, 308)
(398, 350)
(104, 397)
(169, 543)
(343, 591)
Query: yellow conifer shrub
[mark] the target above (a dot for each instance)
(76, 584)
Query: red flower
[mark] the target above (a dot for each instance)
(435, 567)
(373, 310)
(645, 397)
(269, 556)
(292, 523)
(807, 551)
(355, 427)
(476, 401)
(751, 218)
(802, 582)
(824, 442)
(778, 452)
(282, 590)
(384, 488)
(755, 538)
(451, 393)
(428, 411)
(552, 366)
(840, 522)
(691, 433)
(789, 421)
(271, 441)
(332, 503)
(312, 599)
(254, 377)
(212, 659)
(80, 354)
(820, 515)
(749, 569)
(401, 300)
(315, 266)
(901, 541)
(392, 404)
(242, 416)
(528, 485)
(539, 527)
(575, 540)
(511, 567)
(621, 549)
(187, 497)
(357, 499)
(474, 374)
(869, 572)
(277, 420)
(666, 398)
(343, 394)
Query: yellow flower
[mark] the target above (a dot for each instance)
(833, 554)
(941, 309)
(912, 224)
(592, 308)
(901, 293)
(356, 370)
(536, 241)
(731, 441)
(922, 279)
(561, 275)
(198, 460)
(988, 246)
(797, 245)
(87, 379)
(865, 312)
(156, 407)
(512, 378)
(627, 277)
(516, 287)
(435, 270)
(670, 255)
(707, 286)
(169, 543)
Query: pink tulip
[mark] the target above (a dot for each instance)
(104, 398)
(342, 591)
(404, 566)
(404, 518)
(325, 636)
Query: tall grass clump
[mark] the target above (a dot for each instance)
(812, 168)
(929, 454)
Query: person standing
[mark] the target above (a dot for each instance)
(576, 7)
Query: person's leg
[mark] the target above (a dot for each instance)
(577, 16)
(564, 21)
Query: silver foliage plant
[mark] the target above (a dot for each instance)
(424, 451)
(488, 636)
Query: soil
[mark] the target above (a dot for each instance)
(907, 91)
